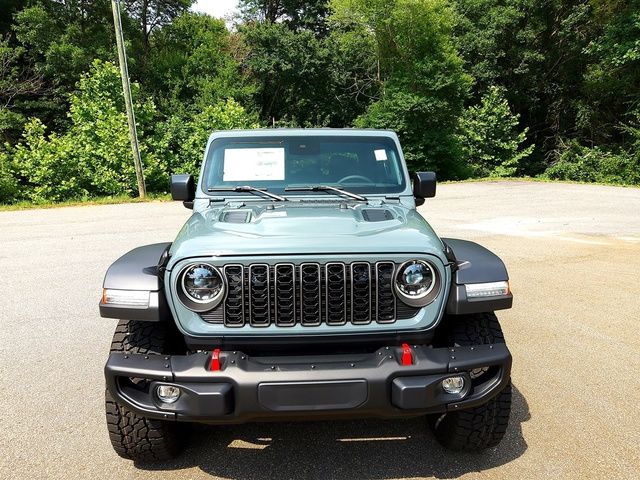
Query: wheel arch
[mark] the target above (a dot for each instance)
(474, 264)
(139, 270)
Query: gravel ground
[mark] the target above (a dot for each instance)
(573, 252)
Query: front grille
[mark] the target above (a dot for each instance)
(309, 294)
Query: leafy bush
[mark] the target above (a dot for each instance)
(490, 138)
(93, 158)
(8, 183)
(183, 140)
(48, 166)
(100, 132)
(584, 164)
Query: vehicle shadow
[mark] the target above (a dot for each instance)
(361, 449)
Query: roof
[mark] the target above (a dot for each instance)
(303, 132)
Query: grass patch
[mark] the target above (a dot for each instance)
(82, 203)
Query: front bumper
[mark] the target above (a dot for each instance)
(306, 387)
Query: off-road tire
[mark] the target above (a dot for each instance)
(132, 436)
(480, 427)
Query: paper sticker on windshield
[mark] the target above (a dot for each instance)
(253, 164)
(381, 155)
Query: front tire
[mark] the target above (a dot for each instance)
(477, 428)
(132, 436)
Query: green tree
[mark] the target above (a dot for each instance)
(152, 15)
(295, 14)
(534, 50)
(8, 8)
(612, 79)
(304, 80)
(195, 62)
(60, 40)
(490, 137)
(424, 84)
(17, 81)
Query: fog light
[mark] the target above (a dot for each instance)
(453, 385)
(168, 393)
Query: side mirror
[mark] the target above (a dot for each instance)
(424, 186)
(183, 188)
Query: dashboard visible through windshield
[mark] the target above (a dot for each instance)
(279, 163)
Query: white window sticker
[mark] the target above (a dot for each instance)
(381, 155)
(248, 164)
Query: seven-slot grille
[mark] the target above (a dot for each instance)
(309, 294)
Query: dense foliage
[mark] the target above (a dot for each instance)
(473, 87)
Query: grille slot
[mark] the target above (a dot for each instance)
(385, 297)
(285, 294)
(360, 293)
(259, 295)
(309, 294)
(234, 303)
(336, 293)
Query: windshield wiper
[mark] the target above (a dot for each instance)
(326, 188)
(250, 189)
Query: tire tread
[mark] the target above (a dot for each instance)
(133, 436)
(477, 428)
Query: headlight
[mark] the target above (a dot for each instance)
(202, 287)
(417, 283)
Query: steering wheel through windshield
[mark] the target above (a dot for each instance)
(355, 177)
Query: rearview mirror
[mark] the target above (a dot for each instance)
(424, 186)
(183, 188)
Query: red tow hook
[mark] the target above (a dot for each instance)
(215, 360)
(407, 355)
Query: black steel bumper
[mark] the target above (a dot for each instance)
(327, 386)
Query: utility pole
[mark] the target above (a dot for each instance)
(126, 87)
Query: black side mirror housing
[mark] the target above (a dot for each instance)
(424, 186)
(183, 188)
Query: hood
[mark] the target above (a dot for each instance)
(304, 228)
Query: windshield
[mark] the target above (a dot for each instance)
(357, 164)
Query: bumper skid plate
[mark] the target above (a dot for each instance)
(380, 384)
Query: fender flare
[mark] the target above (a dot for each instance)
(473, 263)
(140, 270)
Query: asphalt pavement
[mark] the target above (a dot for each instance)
(573, 253)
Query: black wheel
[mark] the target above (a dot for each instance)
(132, 436)
(480, 427)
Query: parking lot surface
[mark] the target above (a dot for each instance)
(573, 253)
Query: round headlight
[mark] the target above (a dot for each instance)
(416, 283)
(202, 286)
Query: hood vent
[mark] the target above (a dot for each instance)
(236, 216)
(377, 215)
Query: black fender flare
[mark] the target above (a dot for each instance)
(140, 269)
(473, 263)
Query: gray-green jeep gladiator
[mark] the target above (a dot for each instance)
(305, 285)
